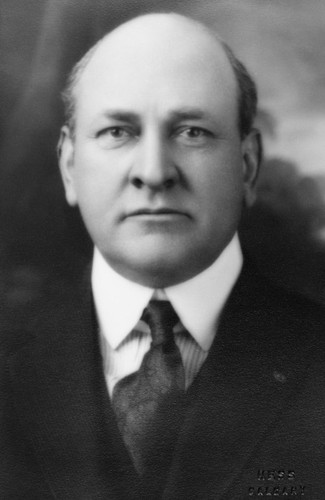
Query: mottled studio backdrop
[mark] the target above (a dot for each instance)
(43, 245)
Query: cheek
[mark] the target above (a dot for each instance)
(97, 203)
(96, 183)
(221, 188)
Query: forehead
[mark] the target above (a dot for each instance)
(160, 61)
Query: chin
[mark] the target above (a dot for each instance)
(160, 270)
(159, 262)
(155, 269)
(156, 272)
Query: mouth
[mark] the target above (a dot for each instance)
(157, 213)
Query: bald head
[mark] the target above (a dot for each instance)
(151, 37)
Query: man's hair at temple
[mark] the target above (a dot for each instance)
(247, 105)
(247, 92)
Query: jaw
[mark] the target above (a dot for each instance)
(157, 261)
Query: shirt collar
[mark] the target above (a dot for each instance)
(198, 301)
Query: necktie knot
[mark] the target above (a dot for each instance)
(161, 318)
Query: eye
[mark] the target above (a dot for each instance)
(194, 132)
(112, 137)
(114, 132)
(193, 135)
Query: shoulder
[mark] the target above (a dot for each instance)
(276, 316)
(261, 294)
(62, 304)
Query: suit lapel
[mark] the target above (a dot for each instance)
(62, 401)
(254, 365)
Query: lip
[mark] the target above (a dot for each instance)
(156, 212)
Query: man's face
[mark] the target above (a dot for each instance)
(157, 165)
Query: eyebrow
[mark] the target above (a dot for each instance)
(188, 113)
(121, 115)
(192, 113)
(180, 114)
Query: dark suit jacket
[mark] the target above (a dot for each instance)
(255, 415)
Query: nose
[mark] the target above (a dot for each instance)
(153, 166)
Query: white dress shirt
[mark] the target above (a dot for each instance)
(119, 304)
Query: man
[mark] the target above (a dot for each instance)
(187, 376)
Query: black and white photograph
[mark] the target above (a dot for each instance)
(162, 249)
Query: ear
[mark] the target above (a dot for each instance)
(252, 152)
(65, 150)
